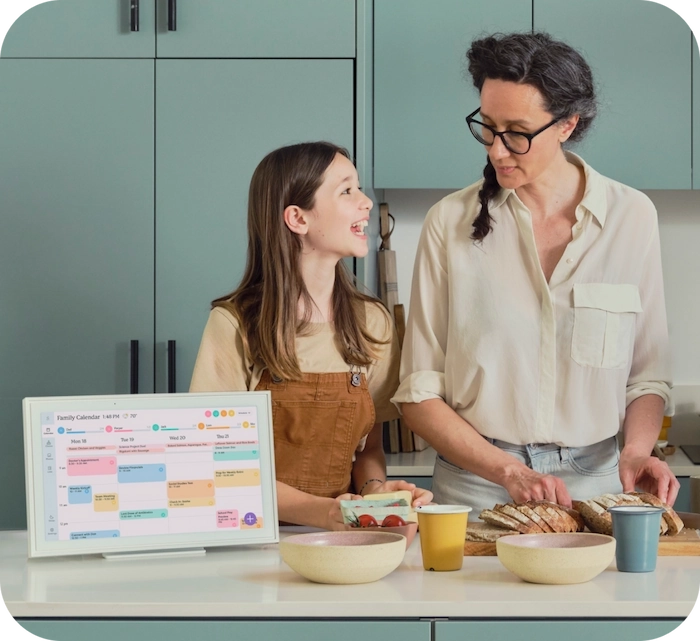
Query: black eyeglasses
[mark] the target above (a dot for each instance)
(516, 142)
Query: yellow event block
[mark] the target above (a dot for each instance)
(106, 502)
(190, 489)
(258, 525)
(237, 478)
(197, 502)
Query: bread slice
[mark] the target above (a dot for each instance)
(528, 511)
(550, 519)
(487, 533)
(672, 520)
(580, 524)
(570, 523)
(493, 517)
(563, 522)
(510, 509)
(596, 518)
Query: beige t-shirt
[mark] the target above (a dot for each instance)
(223, 366)
(524, 360)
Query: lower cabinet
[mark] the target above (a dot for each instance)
(547, 630)
(352, 630)
(268, 630)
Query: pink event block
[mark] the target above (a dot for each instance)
(227, 518)
(92, 466)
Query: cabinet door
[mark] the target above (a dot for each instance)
(76, 250)
(639, 53)
(569, 629)
(82, 29)
(216, 119)
(421, 92)
(696, 115)
(257, 29)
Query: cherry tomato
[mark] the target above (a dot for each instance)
(393, 520)
(367, 520)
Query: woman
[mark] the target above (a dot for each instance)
(296, 326)
(537, 326)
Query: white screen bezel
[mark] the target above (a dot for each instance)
(40, 547)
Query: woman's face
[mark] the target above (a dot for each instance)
(518, 107)
(336, 224)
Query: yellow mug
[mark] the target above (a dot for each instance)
(442, 532)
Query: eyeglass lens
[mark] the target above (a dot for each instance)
(512, 140)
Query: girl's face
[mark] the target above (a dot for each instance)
(518, 107)
(336, 224)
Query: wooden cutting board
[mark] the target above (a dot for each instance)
(687, 543)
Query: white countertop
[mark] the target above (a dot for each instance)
(253, 582)
(422, 463)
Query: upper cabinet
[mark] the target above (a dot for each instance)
(256, 29)
(84, 29)
(421, 92)
(184, 29)
(639, 53)
(696, 113)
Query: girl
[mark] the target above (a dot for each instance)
(296, 326)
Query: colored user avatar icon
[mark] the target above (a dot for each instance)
(250, 519)
(207, 413)
(223, 412)
(61, 430)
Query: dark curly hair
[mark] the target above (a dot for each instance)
(558, 71)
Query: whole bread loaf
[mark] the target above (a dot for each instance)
(535, 517)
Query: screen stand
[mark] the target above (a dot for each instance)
(118, 556)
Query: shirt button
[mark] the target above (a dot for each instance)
(579, 226)
(569, 260)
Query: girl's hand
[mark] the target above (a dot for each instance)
(335, 516)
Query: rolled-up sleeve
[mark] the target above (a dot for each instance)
(422, 372)
(651, 361)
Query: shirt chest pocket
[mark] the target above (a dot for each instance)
(604, 323)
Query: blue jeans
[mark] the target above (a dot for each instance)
(587, 471)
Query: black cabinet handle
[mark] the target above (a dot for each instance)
(172, 15)
(172, 384)
(134, 387)
(134, 15)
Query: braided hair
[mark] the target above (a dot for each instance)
(557, 70)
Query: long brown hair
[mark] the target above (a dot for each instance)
(265, 301)
(558, 71)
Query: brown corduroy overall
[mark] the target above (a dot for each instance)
(318, 423)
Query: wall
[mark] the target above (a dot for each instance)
(679, 225)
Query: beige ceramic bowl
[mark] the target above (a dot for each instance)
(409, 531)
(343, 557)
(556, 558)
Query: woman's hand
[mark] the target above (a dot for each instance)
(419, 495)
(649, 474)
(524, 484)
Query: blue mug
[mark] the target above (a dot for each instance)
(636, 529)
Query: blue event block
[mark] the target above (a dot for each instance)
(95, 534)
(150, 473)
(79, 494)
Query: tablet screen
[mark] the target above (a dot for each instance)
(143, 472)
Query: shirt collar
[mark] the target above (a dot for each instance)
(594, 198)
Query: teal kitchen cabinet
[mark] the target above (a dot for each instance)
(256, 29)
(569, 629)
(215, 120)
(696, 115)
(83, 29)
(421, 92)
(76, 249)
(639, 53)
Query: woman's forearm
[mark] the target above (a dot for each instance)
(454, 438)
(643, 420)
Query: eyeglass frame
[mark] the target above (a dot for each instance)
(470, 119)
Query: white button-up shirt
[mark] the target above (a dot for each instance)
(523, 360)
